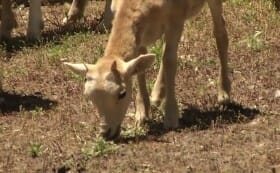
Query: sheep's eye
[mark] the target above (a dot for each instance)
(122, 94)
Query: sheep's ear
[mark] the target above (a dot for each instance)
(80, 69)
(139, 64)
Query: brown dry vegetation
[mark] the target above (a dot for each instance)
(47, 126)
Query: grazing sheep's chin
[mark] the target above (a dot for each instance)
(88, 98)
(107, 132)
(90, 102)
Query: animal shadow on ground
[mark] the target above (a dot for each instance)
(194, 118)
(54, 35)
(11, 102)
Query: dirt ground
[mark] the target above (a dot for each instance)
(46, 125)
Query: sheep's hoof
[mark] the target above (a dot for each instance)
(223, 98)
(66, 21)
(157, 102)
(70, 19)
(171, 120)
(140, 119)
(171, 124)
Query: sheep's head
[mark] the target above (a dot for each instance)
(108, 86)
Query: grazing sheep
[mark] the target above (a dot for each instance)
(137, 24)
(35, 22)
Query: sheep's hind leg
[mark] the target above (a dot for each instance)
(220, 33)
(76, 11)
(8, 20)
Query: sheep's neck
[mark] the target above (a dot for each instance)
(123, 39)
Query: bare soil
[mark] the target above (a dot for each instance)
(46, 125)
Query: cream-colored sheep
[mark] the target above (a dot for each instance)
(138, 23)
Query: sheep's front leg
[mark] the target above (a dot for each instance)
(35, 23)
(169, 68)
(76, 11)
(220, 33)
(142, 100)
(142, 97)
(8, 20)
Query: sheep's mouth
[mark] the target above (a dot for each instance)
(109, 134)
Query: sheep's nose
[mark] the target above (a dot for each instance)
(86, 95)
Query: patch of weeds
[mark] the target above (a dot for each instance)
(83, 125)
(157, 49)
(150, 85)
(100, 50)
(99, 148)
(274, 16)
(35, 149)
(209, 62)
(38, 111)
(134, 131)
(69, 163)
(56, 51)
(192, 62)
(254, 42)
(249, 16)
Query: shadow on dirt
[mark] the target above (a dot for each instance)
(10, 102)
(217, 116)
(196, 119)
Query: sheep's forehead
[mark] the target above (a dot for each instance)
(99, 70)
(103, 78)
(101, 75)
(103, 69)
